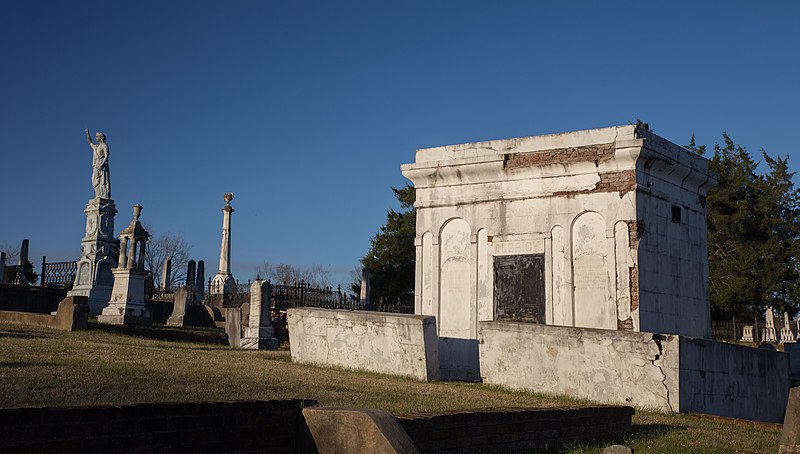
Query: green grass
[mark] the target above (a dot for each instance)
(114, 365)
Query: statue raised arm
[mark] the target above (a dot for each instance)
(101, 178)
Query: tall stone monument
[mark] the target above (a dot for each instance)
(223, 282)
(126, 306)
(200, 283)
(94, 278)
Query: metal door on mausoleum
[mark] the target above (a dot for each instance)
(519, 288)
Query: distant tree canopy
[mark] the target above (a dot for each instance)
(315, 275)
(390, 258)
(753, 228)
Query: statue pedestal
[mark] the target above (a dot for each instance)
(94, 278)
(126, 306)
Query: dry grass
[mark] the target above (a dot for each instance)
(104, 365)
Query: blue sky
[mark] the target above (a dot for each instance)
(305, 110)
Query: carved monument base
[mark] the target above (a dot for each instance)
(127, 300)
(94, 279)
(259, 338)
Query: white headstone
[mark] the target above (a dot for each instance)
(786, 332)
(747, 333)
(770, 334)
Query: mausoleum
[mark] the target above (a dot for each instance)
(572, 264)
(603, 228)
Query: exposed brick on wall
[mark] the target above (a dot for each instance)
(560, 156)
(625, 325)
(623, 182)
(635, 232)
(242, 427)
(514, 430)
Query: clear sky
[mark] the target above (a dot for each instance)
(305, 110)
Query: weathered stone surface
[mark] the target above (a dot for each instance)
(72, 314)
(233, 326)
(563, 196)
(178, 317)
(395, 344)
(790, 434)
(126, 306)
(259, 335)
(223, 281)
(668, 373)
(347, 430)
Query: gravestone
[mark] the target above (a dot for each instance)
(178, 316)
(126, 306)
(260, 335)
(364, 294)
(190, 270)
(790, 433)
(200, 283)
(166, 271)
(770, 334)
(233, 326)
(786, 332)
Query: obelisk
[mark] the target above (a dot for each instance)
(94, 278)
(223, 282)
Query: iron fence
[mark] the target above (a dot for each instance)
(17, 274)
(58, 274)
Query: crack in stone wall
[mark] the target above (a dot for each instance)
(657, 339)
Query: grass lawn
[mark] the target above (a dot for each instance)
(114, 365)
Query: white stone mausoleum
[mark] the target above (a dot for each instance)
(572, 264)
(597, 229)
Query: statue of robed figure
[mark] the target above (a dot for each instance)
(101, 178)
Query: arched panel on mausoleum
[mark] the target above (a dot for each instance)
(456, 308)
(593, 305)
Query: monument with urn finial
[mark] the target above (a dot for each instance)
(126, 306)
(223, 282)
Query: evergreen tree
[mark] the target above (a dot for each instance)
(752, 231)
(391, 256)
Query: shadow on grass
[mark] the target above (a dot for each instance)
(24, 364)
(214, 336)
(23, 334)
(638, 432)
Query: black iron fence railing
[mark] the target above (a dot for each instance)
(58, 274)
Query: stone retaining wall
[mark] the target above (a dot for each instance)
(270, 426)
(645, 370)
(397, 344)
(28, 298)
(72, 314)
(514, 430)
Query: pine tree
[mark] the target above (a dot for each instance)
(391, 256)
(752, 231)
